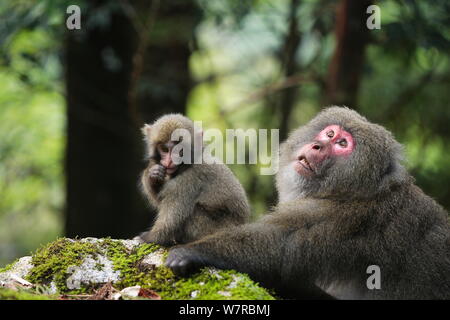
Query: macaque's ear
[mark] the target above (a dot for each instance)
(146, 130)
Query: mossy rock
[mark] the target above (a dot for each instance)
(71, 267)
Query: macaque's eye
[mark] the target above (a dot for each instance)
(164, 149)
(330, 134)
(343, 143)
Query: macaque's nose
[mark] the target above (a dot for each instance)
(316, 146)
(315, 151)
(167, 162)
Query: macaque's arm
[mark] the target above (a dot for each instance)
(261, 250)
(174, 211)
(254, 248)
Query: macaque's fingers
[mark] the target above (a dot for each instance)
(157, 173)
(184, 262)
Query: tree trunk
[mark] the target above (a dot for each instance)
(291, 44)
(347, 62)
(165, 81)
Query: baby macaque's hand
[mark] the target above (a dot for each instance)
(157, 174)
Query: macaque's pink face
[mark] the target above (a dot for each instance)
(333, 141)
(165, 152)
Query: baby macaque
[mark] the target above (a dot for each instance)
(193, 198)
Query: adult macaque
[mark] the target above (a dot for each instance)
(192, 199)
(346, 203)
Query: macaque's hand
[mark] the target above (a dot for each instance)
(157, 174)
(184, 261)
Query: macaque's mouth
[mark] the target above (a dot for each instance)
(305, 163)
(171, 170)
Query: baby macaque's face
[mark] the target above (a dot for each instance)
(165, 151)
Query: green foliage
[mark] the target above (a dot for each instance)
(31, 145)
(404, 84)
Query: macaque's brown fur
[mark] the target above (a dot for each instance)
(197, 200)
(329, 228)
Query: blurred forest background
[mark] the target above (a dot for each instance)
(72, 101)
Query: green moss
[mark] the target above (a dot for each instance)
(8, 266)
(9, 294)
(168, 286)
(51, 261)
(219, 285)
(126, 260)
(128, 263)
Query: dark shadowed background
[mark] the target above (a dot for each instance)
(72, 101)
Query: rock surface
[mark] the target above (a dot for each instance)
(93, 268)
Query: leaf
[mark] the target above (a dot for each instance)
(149, 294)
(106, 292)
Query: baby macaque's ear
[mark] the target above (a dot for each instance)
(146, 130)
